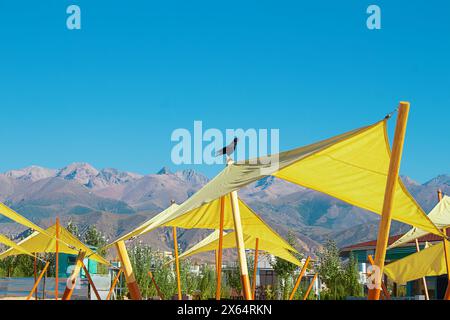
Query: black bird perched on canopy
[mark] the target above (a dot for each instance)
(229, 149)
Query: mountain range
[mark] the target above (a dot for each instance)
(117, 201)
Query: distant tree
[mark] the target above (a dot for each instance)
(94, 237)
(20, 265)
(351, 278)
(73, 229)
(285, 270)
(331, 271)
(7, 267)
(233, 277)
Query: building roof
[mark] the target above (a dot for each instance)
(368, 245)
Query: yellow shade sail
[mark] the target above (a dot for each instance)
(211, 242)
(208, 217)
(6, 241)
(427, 262)
(352, 167)
(440, 215)
(11, 214)
(40, 243)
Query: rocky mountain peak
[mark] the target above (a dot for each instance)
(193, 177)
(442, 179)
(31, 173)
(81, 172)
(164, 170)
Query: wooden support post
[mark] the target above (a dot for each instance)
(305, 297)
(386, 294)
(446, 254)
(389, 194)
(113, 285)
(43, 286)
(447, 263)
(133, 288)
(299, 279)
(36, 283)
(160, 294)
(216, 259)
(71, 281)
(255, 269)
(240, 246)
(177, 263)
(219, 253)
(424, 280)
(88, 276)
(56, 257)
(35, 275)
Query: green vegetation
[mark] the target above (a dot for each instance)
(144, 259)
(341, 280)
(286, 273)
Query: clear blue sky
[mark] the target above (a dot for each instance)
(112, 93)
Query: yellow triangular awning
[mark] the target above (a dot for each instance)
(7, 242)
(211, 242)
(11, 214)
(440, 215)
(427, 262)
(41, 243)
(352, 167)
(208, 217)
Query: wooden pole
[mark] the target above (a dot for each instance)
(219, 253)
(255, 269)
(71, 281)
(43, 286)
(160, 294)
(177, 263)
(36, 283)
(383, 286)
(240, 246)
(128, 271)
(447, 263)
(35, 276)
(424, 280)
(56, 257)
(216, 259)
(116, 279)
(389, 194)
(305, 297)
(446, 254)
(299, 279)
(88, 276)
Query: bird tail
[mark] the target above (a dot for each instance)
(220, 152)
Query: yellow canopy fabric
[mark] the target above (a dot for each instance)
(6, 241)
(40, 243)
(208, 217)
(352, 167)
(427, 262)
(11, 214)
(440, 216)
(211, 242)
